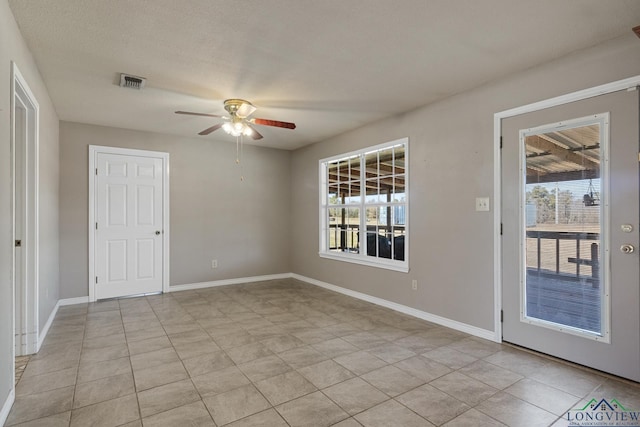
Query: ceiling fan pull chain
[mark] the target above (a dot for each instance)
(237, 150)
(241, 164)
(239, 155)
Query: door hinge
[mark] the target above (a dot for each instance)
(501, 142)
(501, 316)
(96, 279)
(96, 225)
(501, 229)
(96, 171)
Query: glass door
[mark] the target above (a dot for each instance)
(570, 217)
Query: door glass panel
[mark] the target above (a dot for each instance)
(562, 205)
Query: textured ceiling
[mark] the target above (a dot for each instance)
(329, 65)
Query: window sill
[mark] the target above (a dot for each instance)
(395, 266)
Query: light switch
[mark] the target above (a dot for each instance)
(482, 204)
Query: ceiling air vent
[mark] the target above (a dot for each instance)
(132, 82)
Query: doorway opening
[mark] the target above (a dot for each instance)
(128, 222)
(566, 200)
(24, 209)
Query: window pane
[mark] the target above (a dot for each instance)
(333, 238)
(355, 192)
(355, 168)
(386, 189)
(398, 161)
(343, 192)
(343, 170)
(371, 162)
(373, 191)
(398, 245)
(386, 162)
(332, 172)
(563, 227)
(382, 215)
(399, 215)
(378, 245)
(352, 230)
(398, 189)
(343, 231)
(332, 194)
(372, 218)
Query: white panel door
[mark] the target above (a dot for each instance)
(570, 198)
(128, 225)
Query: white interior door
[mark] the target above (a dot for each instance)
(570, 269)
(129, 225)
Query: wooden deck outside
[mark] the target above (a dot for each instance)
(563, 275)
(564, 300)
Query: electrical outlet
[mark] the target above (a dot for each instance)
(214, 263)
(482, 204)
(414, 284)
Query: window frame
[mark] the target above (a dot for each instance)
(324, 223)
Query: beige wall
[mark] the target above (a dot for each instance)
(213, 215)
(13, 48)
(451, 163)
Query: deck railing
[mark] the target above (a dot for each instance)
(579, 260)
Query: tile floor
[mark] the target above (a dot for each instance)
(285, 353)
(20, 365)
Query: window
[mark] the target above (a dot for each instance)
(364, 206)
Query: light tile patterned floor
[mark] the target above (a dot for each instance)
(20, 365)
(285, 353)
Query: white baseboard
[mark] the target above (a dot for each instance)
(202, 285)
(443, 321)
(45, 330)
(4, 413)
(60, 303)
(73, 301)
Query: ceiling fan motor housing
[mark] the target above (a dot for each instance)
(239, 107)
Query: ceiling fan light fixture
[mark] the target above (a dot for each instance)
(237, 129)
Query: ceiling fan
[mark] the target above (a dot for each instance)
(238, 123)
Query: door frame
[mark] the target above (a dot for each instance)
(631, 83)
(94, 150)
(21, 95)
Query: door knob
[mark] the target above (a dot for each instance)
(157, 232)
(627, 249)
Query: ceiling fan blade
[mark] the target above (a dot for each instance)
(276, 123)
(254, 133)
(207, 131)
(197, 114)
(245, 110)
